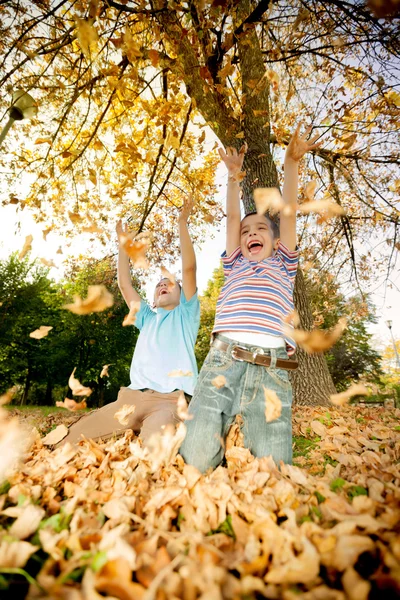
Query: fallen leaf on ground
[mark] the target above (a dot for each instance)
(15, 554)
(27, 522)
(273, 406)
(357, 389)
(316, 340)
(55, 436)
(26, 247)
(71, 405)
(77, 388)
(219, 381)
(98, 299)
(122, 415)
(40, 333)
(130, 318)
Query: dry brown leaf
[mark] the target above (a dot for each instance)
(48, 263)
(15, 554)
(321, 207)
(318, 428)
(273, 406)
(55, 436)
(92, 228)
(180, 373)
(122, 415)
(14, 440)
(130, 318)
(316, 340)
(75, 218)
(310, 190)
(136, 249)
(355, 587)
(46, 232)
(27, 247)
(71, 405)
(357, 389)
(182, 408)
(98, 299)
(268, 200)
(219, 381)
(165, 274)
(292, 317)
(40, 333)
(77, 388)
(104, 370)
(8, 396)
(27, 522)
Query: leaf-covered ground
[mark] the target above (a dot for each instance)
(111, 520)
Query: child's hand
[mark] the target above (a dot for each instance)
(121, 229)
(233, 159)
(186, 209)
(299, 145)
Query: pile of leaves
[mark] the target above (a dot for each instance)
(116, 520)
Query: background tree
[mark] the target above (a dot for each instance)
(124, 82)
(41, 368)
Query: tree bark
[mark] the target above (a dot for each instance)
(27, 387)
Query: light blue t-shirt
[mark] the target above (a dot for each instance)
(165, 344)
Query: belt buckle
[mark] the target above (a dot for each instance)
(237, 347)
(256, 352)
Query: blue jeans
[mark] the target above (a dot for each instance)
(214, 410)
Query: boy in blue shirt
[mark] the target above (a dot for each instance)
(163, 362)
(249, 359)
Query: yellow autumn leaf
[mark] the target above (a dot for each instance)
(98, 299)
(316, 340)
(27, 247)
(86, 36)
(40, 333)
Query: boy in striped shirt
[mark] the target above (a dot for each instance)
(248, 348)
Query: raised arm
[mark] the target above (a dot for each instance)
(297, 148)
(124, 274)
(234, 162)
(188, 256)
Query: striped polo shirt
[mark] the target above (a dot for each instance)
(257, 295)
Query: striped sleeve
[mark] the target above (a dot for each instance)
(229, 261)
(289, 259)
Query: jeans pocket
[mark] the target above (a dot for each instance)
(280, 377)
(217, 360)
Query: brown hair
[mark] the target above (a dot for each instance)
(273, 224)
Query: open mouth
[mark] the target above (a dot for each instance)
(254, 247)
(163, 292)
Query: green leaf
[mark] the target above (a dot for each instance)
(4, 487)
(180, 519)
(15, 571)
(357, 490)
(225, 527)
(99, 560)
(337, 484)
(319, 497)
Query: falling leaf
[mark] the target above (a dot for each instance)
(180, 373)
(55, 436)
(239, 176)
(357, 389)
(273, 406)
(92, 228)
(326, 207)
(292, 317)
(122, 415)
(136, 250)
(130, 318)
(316, 340)
(104, 371)
(86, 35)
(165, 274)
(219, 381)
(310, 190)
(59, 251)
(182, 408)
(77, 388)
(40, 333)
(8, 396)
(48, 263)
(26, 247)
(98, 299)
(43, 141)
(75, 217)
(71, 405)
(269, 200)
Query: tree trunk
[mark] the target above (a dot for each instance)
(48, 398)
(27, 387)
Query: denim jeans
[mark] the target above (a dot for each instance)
(214, 410)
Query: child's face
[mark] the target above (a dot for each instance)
(256, 238)
(167, 294)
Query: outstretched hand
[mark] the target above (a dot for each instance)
(233, 159)
(121, 229)
(299, 145)
(186, 209)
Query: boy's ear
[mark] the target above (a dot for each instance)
(276, 243)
